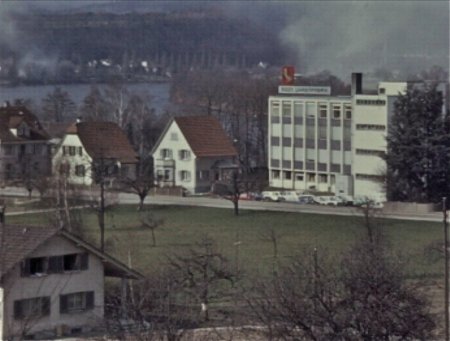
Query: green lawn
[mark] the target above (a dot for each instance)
(184, 225)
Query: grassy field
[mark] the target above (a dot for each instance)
(296, 232)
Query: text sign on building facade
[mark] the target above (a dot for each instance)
(304, 90)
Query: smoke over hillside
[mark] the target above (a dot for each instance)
(358, 36)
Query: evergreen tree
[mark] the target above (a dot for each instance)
(418, 147)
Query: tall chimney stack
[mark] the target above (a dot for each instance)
(356, 83)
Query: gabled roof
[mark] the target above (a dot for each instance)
(204, 134)
(17, 242)
(11, 117)
(105, 140)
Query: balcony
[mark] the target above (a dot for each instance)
(165, 163)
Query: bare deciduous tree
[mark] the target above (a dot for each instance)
(203, 272)
(368, 298)
(149, 221)
(57, 106)
(156, 309)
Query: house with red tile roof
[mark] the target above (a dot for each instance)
(86, 144)
(24, 145)
(52, 282)
(193, 152)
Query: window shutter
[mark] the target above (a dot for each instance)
(55, 264)
(25, 268)
(63, 304)
(90, 300)
(84, 261)
(45, 306)
(18, 314)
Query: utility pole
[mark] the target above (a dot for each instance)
(446, 294)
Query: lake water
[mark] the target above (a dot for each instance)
(158, 91)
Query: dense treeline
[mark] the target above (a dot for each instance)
(167, 41)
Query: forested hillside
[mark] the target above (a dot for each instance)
(80, 44)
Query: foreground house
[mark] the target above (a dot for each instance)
(24, 145)
(193, 152)
(89, 145)
(52, 283)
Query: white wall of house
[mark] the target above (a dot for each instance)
(72, 140)
(182, 172)
(17, 287)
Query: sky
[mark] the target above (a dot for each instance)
(340, 36)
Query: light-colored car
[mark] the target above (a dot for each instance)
(328, 200)
(272, 196)
(290, 195)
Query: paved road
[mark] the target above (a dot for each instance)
(273, 206)
(129, 198)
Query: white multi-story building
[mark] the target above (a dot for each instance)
(331, 143)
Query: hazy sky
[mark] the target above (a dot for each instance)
(341, 36)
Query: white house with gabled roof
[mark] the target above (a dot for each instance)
(52, 283)
(193, 152)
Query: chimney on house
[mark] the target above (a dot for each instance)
(356, 83)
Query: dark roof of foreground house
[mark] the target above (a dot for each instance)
(17, 242)
(104, 140)
(12, 116)
(204, 134)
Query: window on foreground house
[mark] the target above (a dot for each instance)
(76, 302)
(55, 264)
(31, 308)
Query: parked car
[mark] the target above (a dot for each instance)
(290, 195)
(272, 196)
(328, 200)
(306, 199)
(347, 200)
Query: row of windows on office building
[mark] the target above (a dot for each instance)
(300, 177)
(312, 132)
(310, 109)
(320, 178)
(311, 165)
